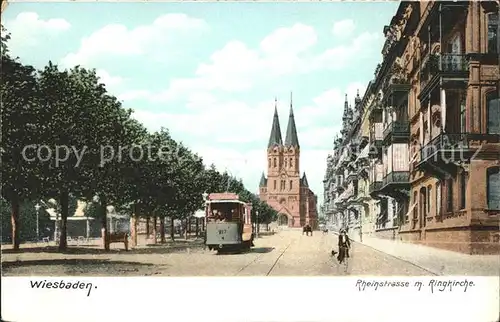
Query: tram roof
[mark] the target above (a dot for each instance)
(227, 201)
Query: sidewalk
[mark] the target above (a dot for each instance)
(437, 261)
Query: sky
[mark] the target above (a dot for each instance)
(210, 72)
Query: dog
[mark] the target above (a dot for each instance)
(325, 231)
(333, 252)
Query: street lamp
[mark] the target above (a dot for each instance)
(257, 224)
(37, 208)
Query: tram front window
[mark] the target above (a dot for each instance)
(224, 212)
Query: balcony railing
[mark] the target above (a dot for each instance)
(458, 143)
(443, 63)
(396, 177)
(397, 129)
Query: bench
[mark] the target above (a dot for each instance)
(118, 238)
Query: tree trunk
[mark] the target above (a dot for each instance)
(154, 229)
(104, 223)
(147, 227)
(63, 239)
(197, 227)
(162, 229)
(14, 218)
(186, 228)
(172, 232)
(133, 229)
(189, 225)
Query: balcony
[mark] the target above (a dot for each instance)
(451, 70)
(396, 184)
(443, 154)
(397, 132)
(374, 188)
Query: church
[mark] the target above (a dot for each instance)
(284, 189)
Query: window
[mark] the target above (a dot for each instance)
(429, 199)
(493, 113)
(493, 188)
(355, 184)
(493, 33)
(291, 162)
(463, 188)
(274, 162)
(274, 184)
(449, 195)
(286, 163)
(269, 163)
(463, 128)
(423, 199)
(438, 198)
(291, 184)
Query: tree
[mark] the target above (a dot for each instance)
(19, 109)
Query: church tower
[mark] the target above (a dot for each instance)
(284, 189)
(291, 153)
(274, 153)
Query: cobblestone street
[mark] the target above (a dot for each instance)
(287, 253)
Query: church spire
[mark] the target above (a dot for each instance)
(346, 108)
(275, 137)
(263, 180)
(291, 138)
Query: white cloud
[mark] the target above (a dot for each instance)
(337, 57)
(343, 28)
(28, 30)
(110, 81)
(215, 122)
(117, 39)
(295, 39)
(237, 68)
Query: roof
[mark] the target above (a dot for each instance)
(291, 138)
(304, 181)
(223, 196)
(275, 136)
(263, 180)
(227, 201)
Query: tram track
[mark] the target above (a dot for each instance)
(256, 259)
(277, 259)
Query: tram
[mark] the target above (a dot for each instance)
(228, 223)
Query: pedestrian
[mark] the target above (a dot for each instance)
(344, 245)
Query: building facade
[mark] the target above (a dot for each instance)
(3, 6)
(285, 189)
(434, 130)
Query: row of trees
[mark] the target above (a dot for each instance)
(64, 136)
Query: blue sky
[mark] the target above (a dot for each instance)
(210, 71)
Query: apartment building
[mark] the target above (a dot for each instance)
(455, 126)
(433, 115)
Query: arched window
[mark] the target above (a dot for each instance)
(449, 195)
(493, 113)
(429, 199)
(493, 33)
(291, 162)
(438, 198)
(493, 188)
(423, 206)
(291, 184)
(286, 163)
(274, 162)
(274, 184)
(463, 188)
(269, 163)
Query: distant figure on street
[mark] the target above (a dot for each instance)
(344, 245)
(307, 229)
